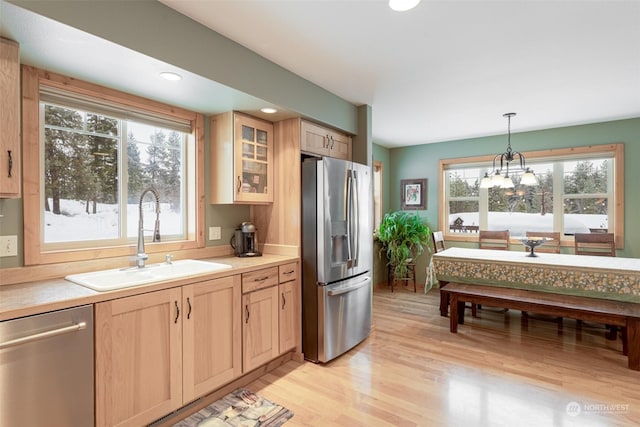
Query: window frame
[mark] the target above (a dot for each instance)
(34, 253)
(377, 205)
(615, 150)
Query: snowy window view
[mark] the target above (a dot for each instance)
(572, 196)
(95, 169)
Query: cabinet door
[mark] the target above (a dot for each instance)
(211, 335)
(260, 327)
(339, 146)
(138, 358)
(9, 119)
(253, 164)
(287, 318)
(314, 139)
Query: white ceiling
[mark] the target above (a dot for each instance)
(446, 70)
(449, 69)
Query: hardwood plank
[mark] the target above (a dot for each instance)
(413, 372)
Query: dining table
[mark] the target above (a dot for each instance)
(614, 278)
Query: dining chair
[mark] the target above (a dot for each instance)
(550, 246)
(438, 246)
(438, 241)
(494, 239)
(599, 244)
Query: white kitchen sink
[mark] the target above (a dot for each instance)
(108, 280)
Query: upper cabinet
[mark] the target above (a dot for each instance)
(9, 119)
(241, 159)
(324, 142)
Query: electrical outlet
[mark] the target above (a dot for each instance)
(8, 246)
(215, 233)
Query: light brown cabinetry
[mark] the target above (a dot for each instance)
(138, 358)
(9, 119)
(288, 321)
(211, 328)
(260, 312)
(319, 140)
(158, 351)
(241, 159)
(271, 313)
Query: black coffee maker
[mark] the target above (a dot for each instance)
(245, 241)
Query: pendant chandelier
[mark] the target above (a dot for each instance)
(497, 179)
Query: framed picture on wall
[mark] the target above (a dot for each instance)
(413, 194)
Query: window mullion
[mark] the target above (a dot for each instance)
(483, 206)
(558, 197)
(123, 179)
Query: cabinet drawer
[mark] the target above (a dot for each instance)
(288, 272)
(259, 279)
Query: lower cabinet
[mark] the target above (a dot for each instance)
(260, 317)
(212, 347)
(138, 358)
(270, 301)
(157, 351)
(288, 319)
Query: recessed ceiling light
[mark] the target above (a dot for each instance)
(403, 5)
(268, 110)
(170, 76)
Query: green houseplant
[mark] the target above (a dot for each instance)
(403, 237)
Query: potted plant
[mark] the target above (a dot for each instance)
(403, 237)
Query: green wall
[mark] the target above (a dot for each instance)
(421, 161)
(182, 42)
(191, 46)
(381, 154)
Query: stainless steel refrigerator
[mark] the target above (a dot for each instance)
(337, 246)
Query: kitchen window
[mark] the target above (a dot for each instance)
(94, 153)
(579, 190)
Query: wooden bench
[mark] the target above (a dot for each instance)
(617, 313)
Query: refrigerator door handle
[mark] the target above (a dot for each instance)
(340, 291)
(349, 219)
(355, 224)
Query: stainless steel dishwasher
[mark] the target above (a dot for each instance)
(46, 369)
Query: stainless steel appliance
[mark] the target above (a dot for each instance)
(337, 241)
(245, 240)
(46, 369)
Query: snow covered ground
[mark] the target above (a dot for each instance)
(76, 225)
(518, 223)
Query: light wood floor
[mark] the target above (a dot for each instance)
(413, 372)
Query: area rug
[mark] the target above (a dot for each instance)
(240, 408)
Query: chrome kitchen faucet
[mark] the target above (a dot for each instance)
(141, 257)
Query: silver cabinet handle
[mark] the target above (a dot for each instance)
(52, 333)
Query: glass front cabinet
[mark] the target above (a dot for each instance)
(241, 159)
